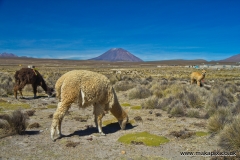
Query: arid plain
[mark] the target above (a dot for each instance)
(168, 117)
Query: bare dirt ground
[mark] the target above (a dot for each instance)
(81, 140)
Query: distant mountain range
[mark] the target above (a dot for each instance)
(7, 55)
(117, 54)
(235, 58)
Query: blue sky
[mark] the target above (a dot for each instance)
(150, 29)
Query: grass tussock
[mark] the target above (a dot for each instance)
(16, 123)
(6, 84)
(193, 113)
(217, 122)
(124, 85)
(236, 108)
(150, 103)
(230, 136)
(139, 92)
(176, 108)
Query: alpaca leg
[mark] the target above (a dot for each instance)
(20, 87)
(98, 115)
(15, 91)
(199, 83)
(20, 91)
(98, 122)
(34, 90)
(192, 81)
(57, 119)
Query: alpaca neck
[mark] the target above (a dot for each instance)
(116, 108)
(44, 86)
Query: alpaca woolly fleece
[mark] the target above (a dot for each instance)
(86, 88)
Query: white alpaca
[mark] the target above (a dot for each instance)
(86, 88)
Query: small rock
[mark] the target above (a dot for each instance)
(150, 119)
(158, 114)
(138, 119)
(89, 126)
(89, 138)
(123, 152)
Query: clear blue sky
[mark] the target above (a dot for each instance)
(149, 29)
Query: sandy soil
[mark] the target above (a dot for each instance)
(36, 143)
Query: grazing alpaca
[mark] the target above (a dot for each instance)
(30, 76)
(196, 76)
(86, 88)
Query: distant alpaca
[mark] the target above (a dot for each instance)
(30, 76)
(196, 76)
(87, 89)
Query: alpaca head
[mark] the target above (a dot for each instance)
(50, 92)
(203, 72)
(123, 122)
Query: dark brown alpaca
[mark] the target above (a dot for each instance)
(30, 76)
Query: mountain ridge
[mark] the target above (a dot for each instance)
(5, 54)
(234, 58)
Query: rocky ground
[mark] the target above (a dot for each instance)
(81, 140)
